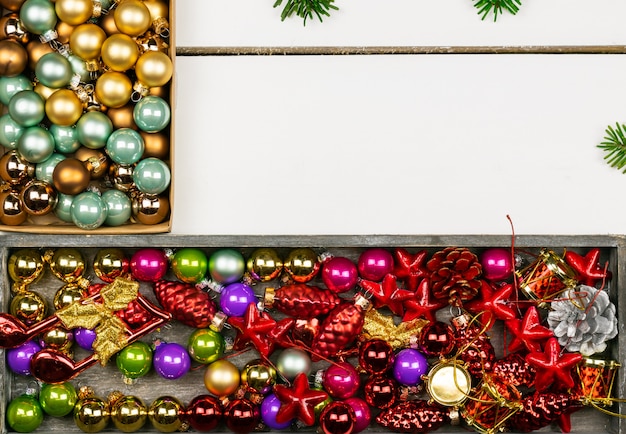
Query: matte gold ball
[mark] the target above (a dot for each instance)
(13, 58)
(154, 68)
(221, 378)
(64, 108)
(70, 176)
(108, 24)
(86, 41)
(114, 89)
(132, 17)
(120, 52)
(64, 31)
(74, 12)
(44, 91)
(122, 117)
(157, 8)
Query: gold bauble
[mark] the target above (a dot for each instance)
(57, 338)
(120, 52)
(44, 91)
(26, 266)
(70, 176)
(94, 160)
(15, 170)
(221, 378)
(67, 264)
(150, 210)
(12, 5)
(38, 198)
(160, 91)
(156, 145)
(67, 294)
(129, 413)
(28, 307)
(114, 89)
(166, 413)
(86, 41)
(74, 12)
(122, 176)
(35, 50)
(110, 263)
(108, 24)
(154, 68)
(13, 58)
(11, 27)
(157, 8)
(64, 108)
(64, 31)
(11, 210)
(122, 117)
(91, 414)
(258, 376)
(132, 17)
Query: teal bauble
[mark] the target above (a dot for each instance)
(35, 145)
(135, 360)
(152, 114)
(9, 86)
(63, 208)
(65, 139)
(58, 400)
(24, 414)
(44, 170)
(189, 265)
(94, 129)
(88, 210)
(38, 16)
(10, 131)
(151, 176)
(53, 70)
(27, 108)
(206, 346)
(79, 67)
(119, 207)
(125, 146)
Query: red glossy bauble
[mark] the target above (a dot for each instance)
(437, 339)
(242, 416)
(337, 418)
(375, 356)
(380, 392)
(204, 412)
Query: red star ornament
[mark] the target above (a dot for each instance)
(553, 369)
(410, 268)
(496, 305)
(587, 268)
(298, 401)
(280, 334)
(422, 304)
(387, 293)
(528, 333)
(254, 327)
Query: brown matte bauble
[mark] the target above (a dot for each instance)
(64, 108)
(150, 210)
(70, 176)
(35, 50)
(12, 5)
(64, 31)
(114, 89)
(38, 198)
(157, 145)
(108, 24)
(122, 117)
(11, 212)
(13, 58)
(160, 91)
(95, 161)
(11, 27)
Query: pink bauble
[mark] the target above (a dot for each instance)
(362, 412)
(341, 380)
(374, 264)
(339, 274)
(497, 264)
(149, 265)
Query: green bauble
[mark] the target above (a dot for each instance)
(35, 145)
(119, 207)
(189, 265)
(24, 414)
(65, 139)
(135, 360)
(152, 114)
(9, 86)
(226, 266)
(38, 16)
(63, 208)
(125, 146)
(58, 400)
(27, 108)
(94, 128)
(10, 131)
(53, 70)
(152, 176)
(79, 67)
(88, 210)
(44, 170)
(206, 346)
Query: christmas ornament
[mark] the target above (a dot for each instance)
(149, 265)
(302, 264)
(474, 347)
(341, 380)
(122, 117)
(171, 360)
(135, 360)
(540, 410)
(269, 408)
(253, 328)
(380, 392)
(9, 86)
(11, 28)
(63, 208)
(25, 267)
(10, 131)
(35, 144)
(91, 414)
(594, 381)
(436, 339)
(24, 414)
(387, 293)
(455, 275)
(94, 160)
(151, 176)
(93, 129)
(70, 176)
(133, 18)
(221, 378)
(375, 356)
(301, 301)
(39, 18)
(497, 264)
(203, 413)
(28, 307)
(422, 304)
(149, 209)
(410, 269)
(120, 52)
(226, 266)
(53, 70)
(84, 338)
(88, 211)
(45, 169)
(157, 144)
(374, 264)
(490, 405)
(235, 298)
(339, 274)
(553, 367)
(58, 400)
(494, 304)
(264, 264)
(496, 7)
(512, 369)
(125, 146)
(11, 210)
(189, 265)
(153, 69)
(74, 12)
(528, 333)
(448, 383)
(187, 304)
(257, 376)
(242, 416)
(362, 414)
(18, 359)
(59, 339)
(152, 114)
(408, 367)
(14, 58)
(128, 413)
(118, 207)
(86, 42)
(337, 418)
(546, 278)
(15, 170)
(377, 325)
(166, 413)
(298, 401)
(413, 417)
(588, 270)
(293, 361)
(206, 345)
(159, 15)
(38, 198)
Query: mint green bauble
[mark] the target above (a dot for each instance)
(27, 108)
(88, 210)
(152, 114)
(24, 414)
(35, 145)
(65, 139)
(151, 176)
(58, 400)
(79, 67)
(189, 265)
(38, 16)
(135, 360)
(125, 146)
(44, 170)
(9, 86)
(94, 128)
(10, 131)
(206, 346)
(119, 207)
(53, 70)
(64, 206)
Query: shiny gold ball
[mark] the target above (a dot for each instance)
(67, 294)
(35, 50)
(28, 307)
(12, 5)
(258, 376)
(44, 91)
(156, 145)
(38, 198)
(86, 41)
(67, 264)
(94, 160)
(11, 210)
(122, 176)
(264, 264)
(154, 68)
(26, 266)
(13, 58)
(91, 414)
(64, 31)
(129, 413)
(302, 264)
(221, 378)
(108, 24)
(70, 176)
(114, 89)
(120, 52)
(132, 17)
(166, 413)
(110, 263)
(64, 108)
(58, 338)
(74, 12)
(11, 27)
(14, 170)
(151, 210)
(122, 117)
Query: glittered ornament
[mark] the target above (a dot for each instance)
(134, 315)
(375, 356)
(540, 410)
(186, 303)
(91, 414)
(380, 392)
(129, 413)
(513, 369)
(222, 378)
(204, 413)
(58, 400)
(413, 417)
(242, 416)
(135, 360)
(301, 300)
(206, 345)
(339, 274)
(166, 413)
(379, 326)
(302, 264)
(24, 413)
(149, 265)
(455, 275)
(171, 360)
(473, 345)
(341, 380)
(337, 418)
(189, 265)
(298, 401)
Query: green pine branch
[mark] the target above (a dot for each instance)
(614, 145)
(485, 7)
(306, 8)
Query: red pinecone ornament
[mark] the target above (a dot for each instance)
(540, 410)
(304, 301)
(134, 315)
(413, 417)
(513, 369)
(187, 304)
(455, 275)
(473, 347)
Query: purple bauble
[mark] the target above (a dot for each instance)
(341, 380)
(149, 265)
(362, 412)
(18, 358)
(497, 264)
(374, 264)
(269, 408)
(339, 274)
(235, 298)
(409, 366)
(171, 361)
(84, 338)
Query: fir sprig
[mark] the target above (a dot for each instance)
(306, 8)
(614, 145)
(485, 7)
